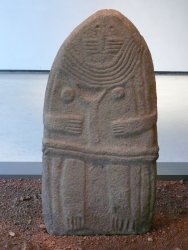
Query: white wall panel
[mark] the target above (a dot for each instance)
(32, 30)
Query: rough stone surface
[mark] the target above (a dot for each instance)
(100, 138)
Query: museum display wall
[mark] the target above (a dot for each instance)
(34, 30)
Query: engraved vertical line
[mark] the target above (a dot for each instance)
(113, 224)
(129, 220)
(46, 192)
(130, 215)
(149, 192)
(146, 196)
(139, 197)
(109, 196)
(150, 197)
(61, 207)
(152, 187)
(128, 199)
(50, 190)
(68, 222)
(59, 191)
(72, 222)
(53, 187)
(85, 195)
(141, 191)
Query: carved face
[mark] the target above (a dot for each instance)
(104, 54)
(102, 47)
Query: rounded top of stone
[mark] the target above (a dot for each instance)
(105, 15)
(99, 40)
(109, 12)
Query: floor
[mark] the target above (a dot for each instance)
(22, 225)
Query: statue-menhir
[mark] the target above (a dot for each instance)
(100, 139)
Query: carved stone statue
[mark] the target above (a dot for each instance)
(100, 138)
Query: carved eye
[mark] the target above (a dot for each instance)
(67, 95)
(118, 93)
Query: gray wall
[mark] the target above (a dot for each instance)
(32, 30)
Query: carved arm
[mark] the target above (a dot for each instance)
(67, 123)
(122, 127)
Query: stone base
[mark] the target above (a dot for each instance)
(86, 197)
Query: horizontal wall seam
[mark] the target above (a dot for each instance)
(47, 71)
